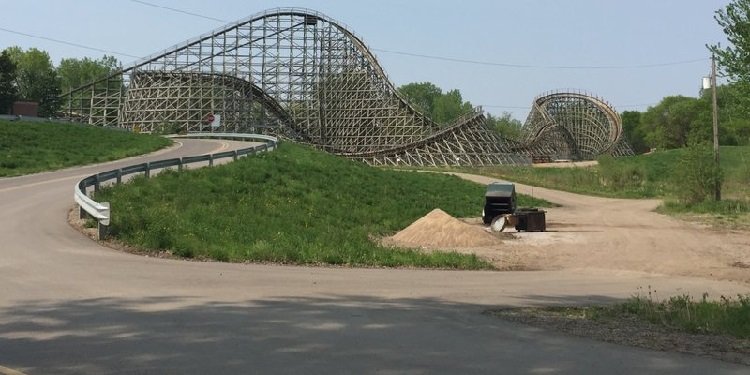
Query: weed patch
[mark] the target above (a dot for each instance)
(728, 316)
(642, 176)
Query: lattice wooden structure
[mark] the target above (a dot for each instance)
(294, 73)
(573, 125)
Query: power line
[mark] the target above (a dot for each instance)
(381, 50)
(178, 10)
(375, 49)
(442, 58)
(523, 66)
(467, 61)
(68, 43)
(137, 57)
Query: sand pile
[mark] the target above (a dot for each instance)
(439, 230)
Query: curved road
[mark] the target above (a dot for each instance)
(68, 305)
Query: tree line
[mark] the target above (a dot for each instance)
(31, 75)
(679, 121)
(675, 122)
(445, 107)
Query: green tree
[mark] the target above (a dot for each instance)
(675, 121)
(448, 107)
(733, 60)
(36, 78)
(505, 125)
(441, 108)
(8, 90)
(632, 131)
(422, 95)
(77, 72)
(734, 114)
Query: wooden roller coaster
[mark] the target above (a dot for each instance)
(302, 76)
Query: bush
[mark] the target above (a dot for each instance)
(620, 175)
(727, 316)
(167, 128)
(696, 175)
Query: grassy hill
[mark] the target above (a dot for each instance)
(293, 205)
(28, 147)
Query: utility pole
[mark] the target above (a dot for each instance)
(717, 186)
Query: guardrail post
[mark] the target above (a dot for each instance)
(179, 166)
(211, 160)
(81, 212)
(102, 231)
(102, 225)
(235, 155)
(97, 186)
(119, 176)
(147, 172)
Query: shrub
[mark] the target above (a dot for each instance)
(167, 128)
(620, 175)
(696, 175)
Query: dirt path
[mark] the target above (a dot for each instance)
(624, 234)
(567, 164)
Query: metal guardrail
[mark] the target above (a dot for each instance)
(101, 210)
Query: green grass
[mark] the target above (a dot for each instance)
(731, 208)
(646, 176)
(529, 201)
(725, 214)
(29, 147)
(292, 205)
(636, 177)
(642, 176)
(727, 316)
(581, 180)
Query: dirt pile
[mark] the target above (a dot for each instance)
(439, 230)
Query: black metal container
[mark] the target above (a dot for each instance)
(531, 220)
(500, 199)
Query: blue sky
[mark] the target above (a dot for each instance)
(540, 33)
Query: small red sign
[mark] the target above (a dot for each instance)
(210, 118)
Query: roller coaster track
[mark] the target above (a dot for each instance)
(573, 125)
(247, 108)
(297, 74)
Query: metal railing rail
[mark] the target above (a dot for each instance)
(101, 210)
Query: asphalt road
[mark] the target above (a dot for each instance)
(70, 306)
